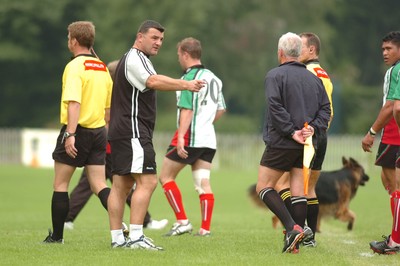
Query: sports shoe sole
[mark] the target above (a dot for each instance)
(384, 252)
(296, 240)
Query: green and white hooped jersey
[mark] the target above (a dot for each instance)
(204, 104)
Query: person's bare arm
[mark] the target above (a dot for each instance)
(185, 119)
(164, 83)
(384, 116)
(396, 112)
(74, 109)
(107, 116)
(218, 115)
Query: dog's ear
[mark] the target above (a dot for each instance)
(353, 162)
(344, 161)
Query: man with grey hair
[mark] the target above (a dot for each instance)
(294, 97)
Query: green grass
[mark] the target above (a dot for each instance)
(242, 233)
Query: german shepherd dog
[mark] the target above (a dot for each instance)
(334, 189)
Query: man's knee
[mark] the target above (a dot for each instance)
(201, 180)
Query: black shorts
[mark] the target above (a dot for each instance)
(91, 146)
(387, 155)
(398, 158)
(282, 159)
(133, 156)
(320, 152)
(205, 154)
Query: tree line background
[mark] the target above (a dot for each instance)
(239, 39)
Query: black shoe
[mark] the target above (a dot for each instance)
(382, 247)
(49, 239)
(310, 243)
(308, 234)
(292, 238)
(308, 240)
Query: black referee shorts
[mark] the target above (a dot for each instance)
(91, 146)
(282, 159)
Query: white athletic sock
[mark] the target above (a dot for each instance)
(117, 236)
(392, 243)
(135, 231)
(184, 222)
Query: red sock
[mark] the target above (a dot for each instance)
(174, 198)
(207, 206)
(396, 216)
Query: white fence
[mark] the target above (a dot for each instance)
(34, 147)
(10, 146)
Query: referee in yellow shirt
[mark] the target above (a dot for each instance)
(85, 104)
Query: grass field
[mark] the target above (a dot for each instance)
(241, 233)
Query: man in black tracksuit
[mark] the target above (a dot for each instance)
(294, 97)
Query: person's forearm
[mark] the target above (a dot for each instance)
(107, 116)
(218, 115)
(73, 116)
(384, 116)
(161, 82)
(185, 119)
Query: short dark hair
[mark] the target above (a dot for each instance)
(83, 32)
(191, 46)
(393, 37)
(149, 24)
(312, 39)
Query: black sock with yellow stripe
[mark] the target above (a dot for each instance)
(312, 213)
(285, 195)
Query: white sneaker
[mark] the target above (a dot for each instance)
(179, 229)
(116, 245)
(157, 225)
(69, 225)
(143, 242)
(203, 232)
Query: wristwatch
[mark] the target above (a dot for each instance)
(67, 135)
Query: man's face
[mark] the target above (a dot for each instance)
(70, 42)
(390, 52)
(279, 55)
(151, 41)
(305, 50)
(181, 58)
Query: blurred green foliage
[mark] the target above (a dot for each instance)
(239, 39)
